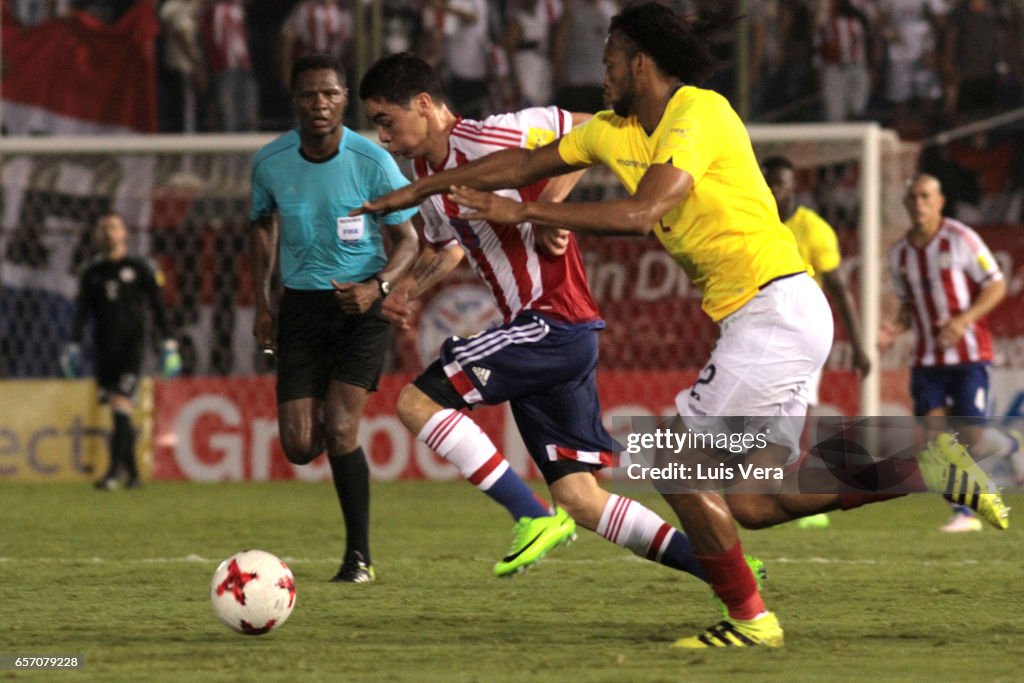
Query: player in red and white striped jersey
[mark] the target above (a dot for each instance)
(947, 281)
(227, 44)
(315, 27)
(542, 359)
(226, 41)
(938, 282)
(505, 257)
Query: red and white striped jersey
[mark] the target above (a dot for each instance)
(320, 28)
(504, 256)
(842, 36)
(227, 42)
(939, 281)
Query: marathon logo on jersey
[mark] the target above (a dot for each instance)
(538, 137)
(681, 134)
(632, 163)
(350, 228)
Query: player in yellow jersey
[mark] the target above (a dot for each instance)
(686, 159)
(819, 248)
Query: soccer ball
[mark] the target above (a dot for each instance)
(253, 592)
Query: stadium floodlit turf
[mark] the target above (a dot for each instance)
(123, 577)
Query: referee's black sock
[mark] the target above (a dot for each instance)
(123, 445)
(352, 484)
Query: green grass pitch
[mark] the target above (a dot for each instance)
(123, 578)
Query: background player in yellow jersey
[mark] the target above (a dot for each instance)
(819, 248)
(686, 159)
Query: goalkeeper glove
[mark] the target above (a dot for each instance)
(71, 360)
(170, 359)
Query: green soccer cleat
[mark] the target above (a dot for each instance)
(760, 573)
(533, 538)
(948, 469)
(764, 631)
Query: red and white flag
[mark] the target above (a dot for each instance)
(79, 75)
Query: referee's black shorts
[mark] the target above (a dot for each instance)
(318, 343)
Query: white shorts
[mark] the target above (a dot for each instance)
(765, 356)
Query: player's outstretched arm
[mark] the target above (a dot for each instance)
(507, 168)
(661, 189)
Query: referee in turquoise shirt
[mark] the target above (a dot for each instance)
(331, 339)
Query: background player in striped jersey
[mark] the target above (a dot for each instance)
(542, 359)
(947, 281)
(331, 338)
(686, 159)
(314, 27)
(819, 248)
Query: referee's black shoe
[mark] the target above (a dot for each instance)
(355, 569)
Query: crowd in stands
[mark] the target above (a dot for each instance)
(919, 66)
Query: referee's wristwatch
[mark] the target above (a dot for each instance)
(384, 285)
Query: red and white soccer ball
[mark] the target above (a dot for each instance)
(253, 592)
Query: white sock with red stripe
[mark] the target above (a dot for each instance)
(629, 524)
(457, 439)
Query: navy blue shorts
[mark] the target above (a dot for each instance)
(963, 389)
(546, 371)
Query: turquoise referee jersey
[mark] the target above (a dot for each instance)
(319, 242)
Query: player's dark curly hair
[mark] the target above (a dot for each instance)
(400, 77)
(678, 46)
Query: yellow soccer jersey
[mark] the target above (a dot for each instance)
(727, 235)
(816, 240)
